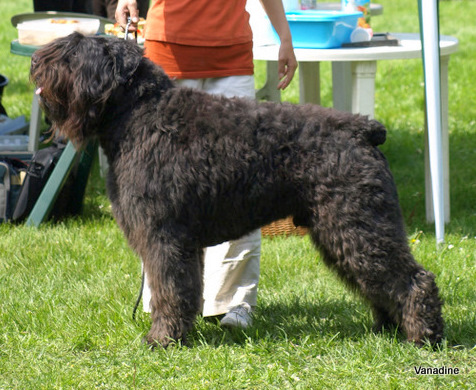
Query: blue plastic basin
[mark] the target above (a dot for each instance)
(321, 29)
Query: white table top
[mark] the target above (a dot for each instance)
(410, 47)
(375, 9)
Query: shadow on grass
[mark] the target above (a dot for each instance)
(298, 321)
(294, 321)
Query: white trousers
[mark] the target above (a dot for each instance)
(232, 268)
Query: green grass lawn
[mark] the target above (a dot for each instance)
(67, 289)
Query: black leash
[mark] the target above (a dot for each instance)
(139, 297)
(134, 311)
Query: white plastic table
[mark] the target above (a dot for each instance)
(353, 85)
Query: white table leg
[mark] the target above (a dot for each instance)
(309, 83)
(445, 150)
(342, 86)
(363, 87)
(354, 86)
(35, 120)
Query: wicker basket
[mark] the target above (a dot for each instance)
(283, 227)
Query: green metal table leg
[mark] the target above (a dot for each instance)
(82, 176)
(53, 186)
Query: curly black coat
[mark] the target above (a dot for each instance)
(190, 170)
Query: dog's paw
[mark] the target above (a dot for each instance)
(165, 342)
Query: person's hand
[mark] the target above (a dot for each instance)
(125, 9)
(287, 65)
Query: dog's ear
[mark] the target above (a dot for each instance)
(106, 70)
(94, 70)
(127, 56)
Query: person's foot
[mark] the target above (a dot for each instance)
(238, 317)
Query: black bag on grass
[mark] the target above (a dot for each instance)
(12, 172)
(41, 166)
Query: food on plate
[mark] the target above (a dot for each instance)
(64, 21)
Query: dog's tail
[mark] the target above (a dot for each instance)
(375, 133)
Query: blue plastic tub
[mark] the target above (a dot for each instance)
(313, 29)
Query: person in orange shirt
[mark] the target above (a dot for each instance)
(208, 44)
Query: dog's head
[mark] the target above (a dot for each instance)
(78, 76)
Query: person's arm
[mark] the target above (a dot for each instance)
(287, 63)
(126, 8)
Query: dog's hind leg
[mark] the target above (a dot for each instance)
(174, 268)
(399, 290)
(368, 249)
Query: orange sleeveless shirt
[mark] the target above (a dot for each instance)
(200, 38)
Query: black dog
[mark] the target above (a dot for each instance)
(189, 170)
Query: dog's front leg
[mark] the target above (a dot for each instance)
(174, 270)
